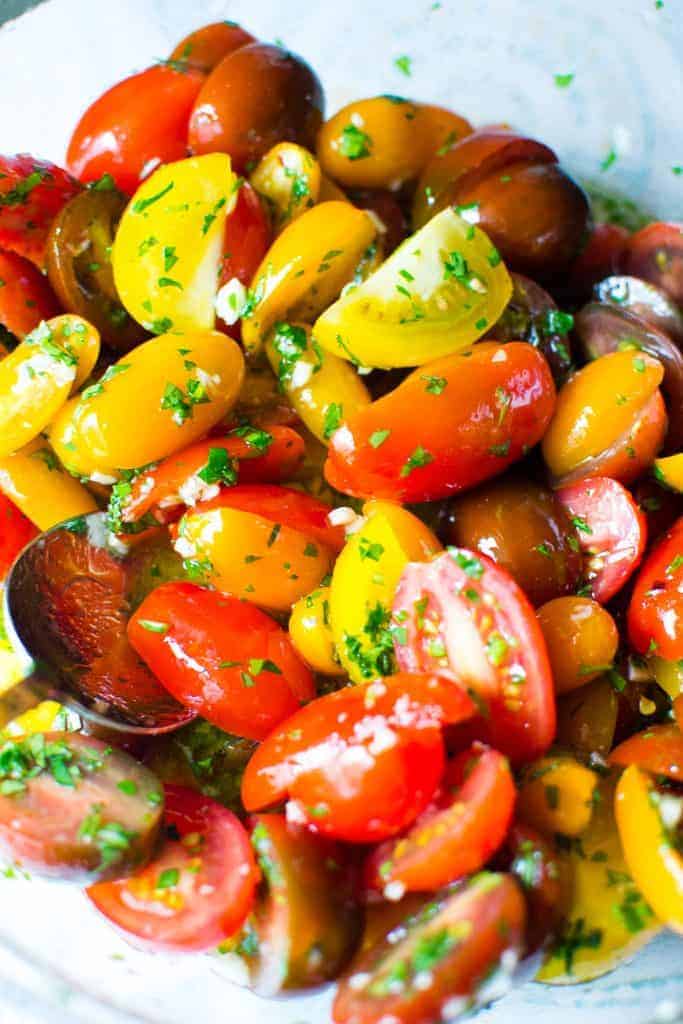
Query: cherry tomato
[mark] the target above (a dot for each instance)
(658, 750)
(587, 719)
(655, 614)
(582, 640)
(71, 806)
(542, 874)
(524, 528)
(601, 256)
(221, 658)
(455, 942)
(255, 97)
(655, 253)
(532, 315)
(384, 205)
(247, 237)
(556, 795)
(25, 296)
(611, 529)
(197, 473)
(136, 125)
(464, 617)
(678, 709)
(16, 531)
(311, 633)
(32, 192)
(644, 300)
(457, 835)
(208, 45)
(200, 888)
(361, 763)
(478, 412)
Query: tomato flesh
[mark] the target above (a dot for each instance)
(247, 237)
(655, 614)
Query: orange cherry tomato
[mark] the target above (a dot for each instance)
(208, 45)
(255, 97)
(655, 614)
(458, 834)
(478, 412)
(655, 253)
(220, 657)
(26, 297)
(658, 750)
(198, 891)
(464, 617)
(16, 531)
(582, 640)
(361, 763)
(32, 192)
(612, 531)
(136, 125)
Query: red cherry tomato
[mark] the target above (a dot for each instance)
(197, 472)
(136, 125)
(247, 237)
(658, 750)
(601, 257)
(198, 891)
(16, 531)
(32, 192)
(221, 657)
(655, 614)
(464, 617)
(206, 46)
(282, 505)
(655, 253)
(458, 834)
(477, 413)
(612, 531)
(362, 763)
(25, 295)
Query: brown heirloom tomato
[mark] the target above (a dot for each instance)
(656, 254)
(257, 96)
(208, 45)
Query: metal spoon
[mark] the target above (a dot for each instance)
(67, 601)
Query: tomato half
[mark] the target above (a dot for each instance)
(659, 750)
(133, 127)
(25, 295)
(457, 835)
(16, 531)
(32, 192)
(655, 614)
(359, 764)
(206, 46)
(221, 657)
(655, 253)
(200, 888)
(612, 532)
(464, 617)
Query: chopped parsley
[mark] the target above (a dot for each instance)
(220, 468)
(333, 418)
(420, 457)
(378, 437)
(140, 205)
(434, 385)
(562, 81)
(354, 144)
(404, 65)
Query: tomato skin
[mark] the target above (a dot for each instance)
(543, 875)
(26, 297)
(223, 867)
(601, 256)
(32, 192)
(658, 750)
(247, 237)
(134, 126)
(655, 614)
(582, 640)
(656, 254)
(466, 434)
(612, 532)
(208, 650)
(362, 763)
(208, 45)
(458, 834)
(16, 531)
(478, 629)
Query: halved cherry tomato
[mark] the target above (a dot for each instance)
(659, 750)
(478, 412)
(73, 807)
(33, 478)
(206, 46)
(25, 295)
(611, 529)
(655, 614)
(32, 192)
(362, 763)
(133, 127)
(435, 964)
(16, 531)
(198, 891)
(456, 835)
(247, 237)
(311, 633)
(643, 300)
(464, 617)
(196, 474)
(656, 254)
(220, 657)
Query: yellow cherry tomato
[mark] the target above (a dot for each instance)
(48, 716)
(556, 795)
(597, 408)
(156, 400)
(35, 481)
(669, 472)
(587, 719)
(251, 557)
(323, 388)
(169, 244)
(648, 821)
(669, 675)
(436, 294)
(440, 129)
(288, 176)
(364, 582)
(608, 920)
(310, 632)
(306, 267)
(36, 378)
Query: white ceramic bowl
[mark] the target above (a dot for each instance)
(492, 60)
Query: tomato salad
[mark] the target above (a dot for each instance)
(401, 426)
